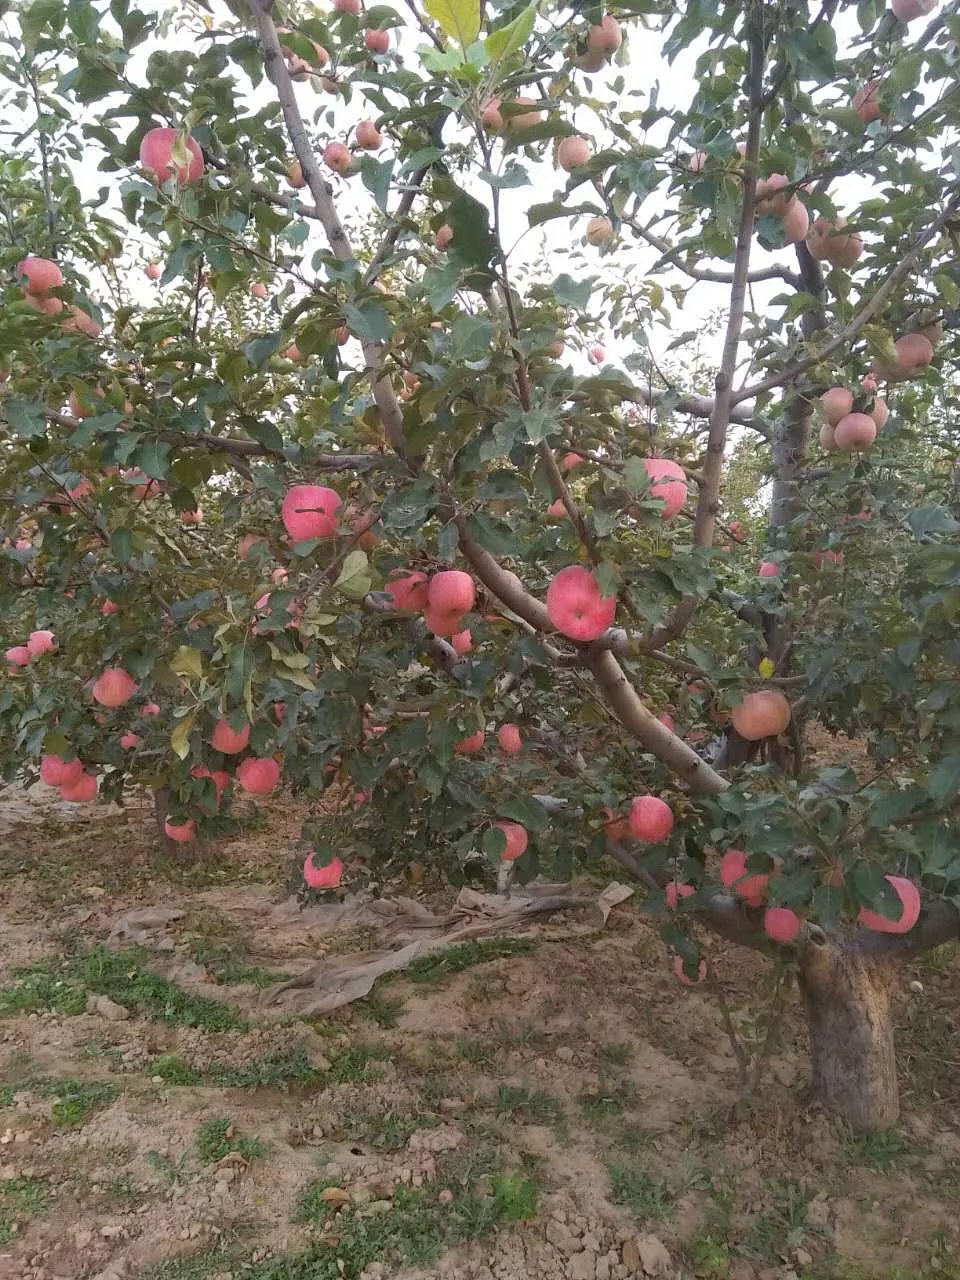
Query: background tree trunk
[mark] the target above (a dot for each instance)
(847, 995)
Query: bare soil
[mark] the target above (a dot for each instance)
(573, 1111)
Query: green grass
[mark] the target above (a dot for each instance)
(278, 1070)
(173, 1070)
(20, 1199)
(531, 1106)
(227, 964)
(608, 1101)
(435, 968)
(647, 1198)
(171, 1172)
(358, 1065)
(383, 1010)
(121, 976)
(215, 1140)
(76, 1100)
(415, 1230)
(388, 1130)
(880, 1151)
(195, 1266)
(782, 1227)
(479, 1052)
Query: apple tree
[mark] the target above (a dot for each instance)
(317, 473)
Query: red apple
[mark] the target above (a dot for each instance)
(376, 41)
(337, 157)
(258, 775)
(575, 605)
(573, 152)
(113, 687)
(668, 481)
(517, 840)
(651, 819)
(369, 137)
(229, 741)
(41, 275)
(909, 895)
(156, 156)
(310, 511)
(327, 877)
(508, 735)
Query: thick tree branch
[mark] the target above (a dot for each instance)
(384, 396)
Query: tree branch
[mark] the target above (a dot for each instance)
(384, 396)
(672, 256)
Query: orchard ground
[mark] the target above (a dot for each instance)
(521, 1108)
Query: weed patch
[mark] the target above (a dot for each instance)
(466, 955)
(218, 1138)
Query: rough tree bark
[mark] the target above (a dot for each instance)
(847, 995)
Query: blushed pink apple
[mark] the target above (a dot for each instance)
(327, 877)
(606, 36)
(444, 236)
(865, 104)
(156, 156)
(150, 709)
(462, 641)
(517, 840)
(259, 290)
(295, 175)
(909, 10)
(508, 735)
(113, 687)
(836, 404)
(556, 509)
(668, 481)
(41, 275)
(57, 772)
(153, 271)
(82, 790)
(674, 892)
(600, 231)
(229, 741)
(258, 775)
(781, 924)
(491, 116)
(129, 741)
(596, 354)
(574, 152)
(471, 745)
(667, 720)
(369, 137)
(108, 607)
(651, 819)
(575, 605)
(376, 41)
(909, 895)
(762, 714)
(337, 157)
(180, 832)
(310, 511)
(409, 591)
(450, 594)
(855, 431)
(768, 569)
(18, 656)
(571, 460)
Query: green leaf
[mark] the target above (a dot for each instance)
(493, 842)
(944, 780)
(635, 478)
(84, 21)
(121, 545)
(538, 424)
(529, 812)
(573, 293)
(259, 350)
(376, 175)
(153, 458)
(496, 536)
(457, 18)
(368, 322)
(187, 662)
(510, 39)
(26, 418)
(355, 577)
(514, 175)
(473, 244)
(180, 738)
(875, 892)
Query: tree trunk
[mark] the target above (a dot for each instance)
(846, 994)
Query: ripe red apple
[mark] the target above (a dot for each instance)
(113, 687)
(605, 37)
(409, 591)
(574, 152)
(129, 741)
(575, 605)
(525, 114)
(796, 223)
(450, 594)
(762, 714)
(697, 162)
(591, 60)
(734, 874)
(880, 412)
(258, 775)
(346, 6)
(909, 895)
(681, 975)
(337, 157)
(108, 607)
(462, 641)
(821, 558)
(57, 772)
(180, 832)
(651, 819)
(768, 569)
(79, 322)
(827, 439)
(377, 41)
(667, 720)
(258, 290)
(556, 510)
(914, 353)
(469, 746)
(18, 656)
(827, 242)
(310, 511)
(40, 642)
(46, 306)
(596, 354)
(153, 271)
(571, 460)
(855, 431)
(82, 790)
(517, 840)
(156, 156)
(41, 275)
(229, 741)
(490, 115)
(192, 517)
(781, 924)
(908, 10)
(668, 481)
(600, 231)
(674, 892)
(444, 236)
(836, 404)
(508, 735)
(865, 102)
(369, 137)
(773, 195)
(327, 877)
(247, 543)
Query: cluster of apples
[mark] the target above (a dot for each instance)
(37, 644)
(39, 277)
(775, 197)
(444, 600)
(601, 43)
(846, 428)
